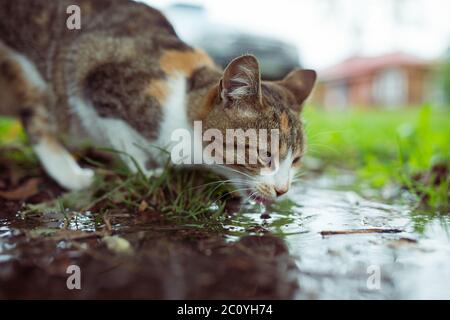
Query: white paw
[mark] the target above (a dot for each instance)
(62, 167)
(77, 180)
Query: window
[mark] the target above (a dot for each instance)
(390, 88)
(337, 95)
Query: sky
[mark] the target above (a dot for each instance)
(328, 31)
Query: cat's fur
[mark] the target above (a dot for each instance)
(127, 81)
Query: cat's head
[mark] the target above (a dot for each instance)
(242, 101)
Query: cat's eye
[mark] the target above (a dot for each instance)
(296, 161)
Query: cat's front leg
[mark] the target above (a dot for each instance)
(25, 94)
(61, 166)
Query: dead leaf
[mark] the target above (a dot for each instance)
(26, 190)
(402, 242)
(49, 234)
(143, 206)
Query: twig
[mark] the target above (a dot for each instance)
(358, 231)
(67, 235)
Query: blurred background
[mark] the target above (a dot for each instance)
(368, 53)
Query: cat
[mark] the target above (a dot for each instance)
(126, 81)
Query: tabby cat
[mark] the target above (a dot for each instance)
(125, 80)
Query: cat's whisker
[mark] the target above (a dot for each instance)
(236, 184)
(231, 181)
(312, 136)
(228, 193)
(320, 145)
(237, 171)
(250, 197)
(299, 174)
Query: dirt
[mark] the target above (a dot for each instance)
(168, 261)
(18, 186)
(177, 266)
(438, 174)
(282, 255)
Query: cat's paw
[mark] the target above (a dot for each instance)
(62, 167)
(77, 179)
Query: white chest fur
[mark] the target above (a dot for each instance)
(174, 112)
(119, 135)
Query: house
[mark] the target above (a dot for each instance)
(391, 80)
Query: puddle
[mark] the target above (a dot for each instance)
(413, 264)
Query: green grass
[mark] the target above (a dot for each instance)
(380, 146)
(187, 198)
(10, 131)
(383, 146)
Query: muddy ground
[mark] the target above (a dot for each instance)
(322, 241)
(163, 261)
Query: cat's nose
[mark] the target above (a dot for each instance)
(280, 191)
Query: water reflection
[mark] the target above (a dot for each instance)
(413, 264)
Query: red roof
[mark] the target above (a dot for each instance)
(359, 66)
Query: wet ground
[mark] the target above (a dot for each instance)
(126, 254)
(299, 248)
(413, 263)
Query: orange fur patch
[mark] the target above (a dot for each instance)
(184, 61)
(158, 89)
(284, 123)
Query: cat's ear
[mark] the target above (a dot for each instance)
(300, 83)
(241, 80)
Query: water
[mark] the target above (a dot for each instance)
(413, 264)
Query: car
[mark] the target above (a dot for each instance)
(223, 43)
